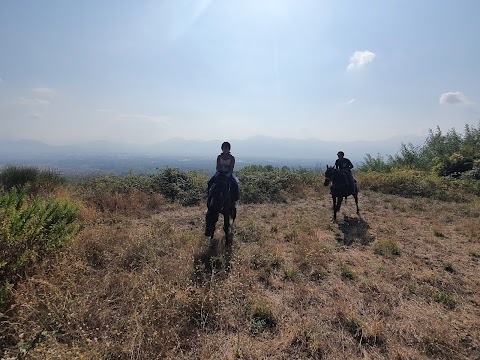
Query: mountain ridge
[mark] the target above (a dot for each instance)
(255, 147)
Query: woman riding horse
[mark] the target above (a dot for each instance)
(223, 192)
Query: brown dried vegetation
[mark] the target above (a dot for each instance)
(140, 281)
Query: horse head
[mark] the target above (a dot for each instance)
(329, 175)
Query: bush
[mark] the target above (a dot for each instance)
(413, 183)
(261, 319)
(29, 178)
(387, 248)
(450, 154)
(261, 184)
(188, 188)
(30, 232)
(377, 164)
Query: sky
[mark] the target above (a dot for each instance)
(145, 71)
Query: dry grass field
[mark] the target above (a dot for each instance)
(399, 281)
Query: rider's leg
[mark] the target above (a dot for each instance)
(210, 182)
(235, 188)
(351, 182)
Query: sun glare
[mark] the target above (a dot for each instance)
(273, 8)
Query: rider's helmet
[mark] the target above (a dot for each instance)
(227, 145)
(341, 153)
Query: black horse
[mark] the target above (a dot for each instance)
(340, 189)
(220, 200)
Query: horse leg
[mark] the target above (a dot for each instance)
(210, 221)
(227, 227)
(334, 202)
(338, 204)
(355, 195)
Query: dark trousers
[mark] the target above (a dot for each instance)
(351, 181)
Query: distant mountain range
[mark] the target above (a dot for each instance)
(172, 152)
(255, 147)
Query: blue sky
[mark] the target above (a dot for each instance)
(145, 71)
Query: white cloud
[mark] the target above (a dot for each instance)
(456, 97)
(43, 90)
(360, 59)
(34, 115)
(1, 80)
(351, 101)
(105, 110)
(161, 120)
(31, 101)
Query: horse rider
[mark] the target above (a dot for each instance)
(225, 165)
(345, 165)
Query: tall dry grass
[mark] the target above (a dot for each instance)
(142, 282)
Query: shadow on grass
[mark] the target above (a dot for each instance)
(355, 229)
(213, 262)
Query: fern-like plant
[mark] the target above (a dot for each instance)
(30, 231)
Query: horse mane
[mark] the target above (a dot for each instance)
(218, 193)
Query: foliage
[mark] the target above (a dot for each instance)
(377, 164)
(261, 184)
(176, 185)
(443, 298)
(31, 178)
(414, 183)
(261, 319)
(450, 154)
(387, 248)
(106, 192)
(258, 184)
(29, 232)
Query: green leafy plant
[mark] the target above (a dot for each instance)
(29, 178)
(444, 298)
(177, 185)
(261, 319)
(30, 231)
(387, 248)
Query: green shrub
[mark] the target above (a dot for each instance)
(387, 248)
(31, 178)
(29, 232)
(377, 164)
(261, 319)
(188, 188)
(450, 154)
(443, 298)
(413, 183)
(260, 184)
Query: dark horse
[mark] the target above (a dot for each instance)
(220, 200)
(340, 189)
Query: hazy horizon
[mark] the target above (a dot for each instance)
(146, 71)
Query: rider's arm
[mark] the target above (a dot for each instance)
(218, 164)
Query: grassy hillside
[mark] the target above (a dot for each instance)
(140, 281)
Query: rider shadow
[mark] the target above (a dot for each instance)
(214, 262)
(355, 228)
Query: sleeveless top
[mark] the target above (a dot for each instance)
(225, 164)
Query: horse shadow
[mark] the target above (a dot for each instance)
(213, 262)
(355, 229)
